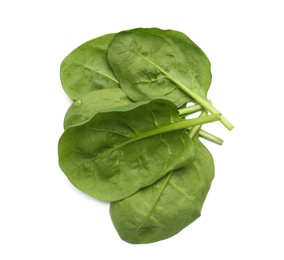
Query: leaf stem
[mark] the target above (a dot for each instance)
(189, 110)
(194, 130)
(203, 102)
(179, 125)
(175, 126)
(210, 137)
(199, 99)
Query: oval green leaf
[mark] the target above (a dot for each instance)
(116, 153)
(86, 68)
(153, 63)
(162, 210)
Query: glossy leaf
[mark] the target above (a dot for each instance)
(93, 102)
(86, 68)
(116, 153)
(149, 62)
(162, 210)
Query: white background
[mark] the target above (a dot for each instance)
(44, 217)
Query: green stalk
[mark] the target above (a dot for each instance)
(194, 130)
(199, 99)
(175, 126)
(179, 125)
(189, 110)
(210, 137)
(203, 102)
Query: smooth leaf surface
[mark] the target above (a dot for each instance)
(116, 153)
(149, 62)
(162, 210)
(86, 68)
(93, 102)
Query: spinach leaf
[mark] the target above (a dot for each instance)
(128, 138)
(116, 153)
(162, 210)
(93, 102)
(153, 63)
(86, 68)
(148, 61)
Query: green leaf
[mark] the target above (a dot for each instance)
(116, 153)
(162, 210)
(93, 102)
(86, 68)
(153, 63)
(148, 61)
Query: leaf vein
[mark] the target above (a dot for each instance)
(96, 71)
(147, 216)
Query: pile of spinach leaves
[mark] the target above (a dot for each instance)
(132, 134)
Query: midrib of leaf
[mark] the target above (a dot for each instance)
(199, 99)
(179, 125)
(150, 211)
(96, 71)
